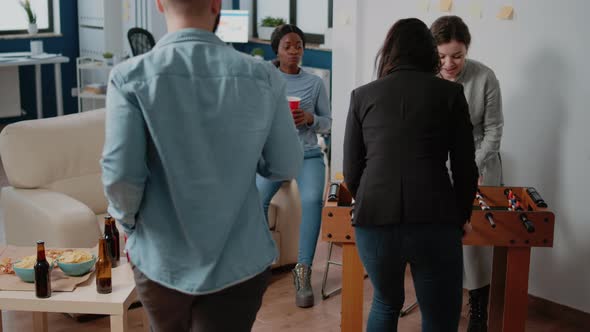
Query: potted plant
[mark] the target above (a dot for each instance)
(268, 25)
(258, 53)
(31, 16)
(108, 58)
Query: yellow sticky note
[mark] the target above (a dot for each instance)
(424, 5)
(475, 9)
(506, 13)
(339, 176)
(126, 11)
(446, 5)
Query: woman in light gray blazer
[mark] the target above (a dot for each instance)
(482, 92)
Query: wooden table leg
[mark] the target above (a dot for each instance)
(119, 323)
(517, 289)
(1, 321)
(509, 293)
(352, 289)
(144, 319)
(39, 321)
(498, 289)
(39, 91)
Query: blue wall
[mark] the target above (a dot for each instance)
(66, 45)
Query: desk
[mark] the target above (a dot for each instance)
(24, 60)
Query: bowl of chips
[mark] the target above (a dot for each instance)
(24, 268)
(76, 262)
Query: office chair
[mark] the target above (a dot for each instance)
(140, 40)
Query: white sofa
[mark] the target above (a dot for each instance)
(56, 194)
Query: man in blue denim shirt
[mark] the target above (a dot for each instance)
(188, 126)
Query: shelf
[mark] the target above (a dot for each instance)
(26, 35)
(91, 63)
(95, 66)
(87, 95)
(93, 73)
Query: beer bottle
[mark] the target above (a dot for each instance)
(104, 283)
(42, 273)
(111, 240)
(117, 241)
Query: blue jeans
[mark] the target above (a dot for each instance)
(434, 252)
(311, 182)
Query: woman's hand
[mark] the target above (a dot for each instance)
(301, 117)
(467, 228)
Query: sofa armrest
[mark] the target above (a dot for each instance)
(36, 214)
(287, 203)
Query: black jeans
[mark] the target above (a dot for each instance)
(231, 309)
(434, 252)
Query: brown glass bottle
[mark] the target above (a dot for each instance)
(117, 241)
(104, 284)
(111, 235)
(42, 273)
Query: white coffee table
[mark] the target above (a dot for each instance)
(83, 300)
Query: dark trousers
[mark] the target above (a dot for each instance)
(435, 255)
(231, 309)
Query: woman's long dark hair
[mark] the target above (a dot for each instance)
(408, 42)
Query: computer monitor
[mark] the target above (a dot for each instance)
(233, 26)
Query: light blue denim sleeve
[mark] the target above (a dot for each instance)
(322, 119)
(124, 169)
(282, 155)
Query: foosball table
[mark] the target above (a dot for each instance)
(511, 219)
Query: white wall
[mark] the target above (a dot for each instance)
(541, 60)
(248, 5)
(156, 21)
(273, 8)
(312, 16)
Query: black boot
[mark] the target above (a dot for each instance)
(303, 290)
(478, 309)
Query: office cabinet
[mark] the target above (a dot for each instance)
(100, 27)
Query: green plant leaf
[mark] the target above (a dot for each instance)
(269, 21)
(32, 17)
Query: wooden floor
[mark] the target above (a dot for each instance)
(279, 313)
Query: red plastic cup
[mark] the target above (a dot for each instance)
(293, 102)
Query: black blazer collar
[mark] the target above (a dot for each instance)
(405, 67)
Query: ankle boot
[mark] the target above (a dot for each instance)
(302, 280)
(478, 309)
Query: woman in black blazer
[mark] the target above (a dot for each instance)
(400, 131)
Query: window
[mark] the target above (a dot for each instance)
(13, 19)
(311, 16)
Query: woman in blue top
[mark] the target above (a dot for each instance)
(312, 118)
